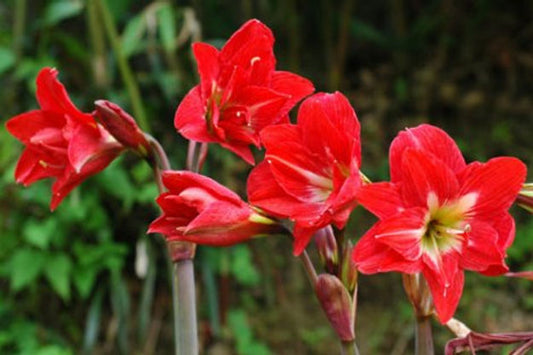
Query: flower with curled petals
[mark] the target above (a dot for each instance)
(439, 216)
(240, 92)
(311, 170)
(61, 141)
(198, 209)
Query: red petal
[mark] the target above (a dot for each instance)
(429, 139)
(26, 125)
(190, 119)
(264, 105)
(295, 86)
(330, 127)
(208, 66)
(219, 217)
(266, 193)
(302, 175)
(424, 174)
(302, 237)
(446, 294)
(32, 167)
(52, 96)
(481, 249)
(496, 184)
(90, 144)
(177, 181)
(242, 150)
(372, 256)
(250, 48)
(506, 231)
(403, 232)
(382, 199)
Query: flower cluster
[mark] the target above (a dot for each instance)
(438, 215)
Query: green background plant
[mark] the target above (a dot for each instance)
(86, 278)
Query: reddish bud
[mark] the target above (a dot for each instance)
(528, 275)
(348, 272)
(337, 304)
(122, 126)
(326, 245)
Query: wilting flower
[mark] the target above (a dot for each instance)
(438, 215)
(239, 93)
(200, 210)
(311, 170)
(61, 141)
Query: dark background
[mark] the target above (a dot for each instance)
(68, 281)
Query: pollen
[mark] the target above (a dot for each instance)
(43, 163)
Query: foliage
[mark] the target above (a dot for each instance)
(67, 279)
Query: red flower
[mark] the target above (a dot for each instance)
(311, 170)
(61, 141)
(239, 93)
(199, 210)
(438, 215)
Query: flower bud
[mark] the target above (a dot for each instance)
(525, 197)
(348, 272)
(337, 304)
(122, 127)
(328, 252)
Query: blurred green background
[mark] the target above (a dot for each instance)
(86, 278)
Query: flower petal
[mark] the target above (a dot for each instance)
(52, 96)
(429, 139)
(372, 256)
(424, 177)
(382, 199)
(446, 290)
(208, 66)
(481, 249)
(495, 183)
(190, 119)
(26, 125)
(293, 85)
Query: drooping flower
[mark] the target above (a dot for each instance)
(240, 92)
(198, 209)
(61, 141)
(438, 215)
(311, 170)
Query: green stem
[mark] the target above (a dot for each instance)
(184, 302)
(309, 268)
(424, 337)
(125, 70)
(97, 39)
(18, 27)
(349, 348)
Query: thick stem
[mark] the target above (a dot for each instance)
(184, 302)
(424, 337)
(349, 348)
(196, 155)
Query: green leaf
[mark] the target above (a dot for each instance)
(25, 266)
(7, 59)
(57, 271)
(83, 279)
(60, 10)
(131, 39)
(167, 26)
(242, 267)
(39, 234)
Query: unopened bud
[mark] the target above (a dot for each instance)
(122, 127)
(525, 197)
(328, 251)
(348, 268)
(337, 304)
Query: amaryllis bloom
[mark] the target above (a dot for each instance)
(438, 215)
(61, 141)
(200, 210)
(311, 170)
(239, 93)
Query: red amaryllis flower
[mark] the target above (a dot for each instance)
(200, 210)
(311, 170)
(438, 215)
(239, 93)
(61, 141)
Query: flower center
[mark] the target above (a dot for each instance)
(446, 225)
